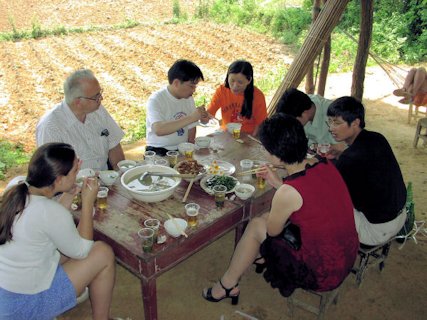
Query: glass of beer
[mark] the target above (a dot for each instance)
(147, 239)
(236, 133)
(192, 210)
(101, 198)
(219, 193)
(260, 182)
(172, 157)
(153, 224)
(323, 149)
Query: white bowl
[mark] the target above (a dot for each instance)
(244, 191)
(186, 146)
(84, 173)
(125, 165)
(233, 125)
(131, 184)
(108, 177)
(203, 142)
(172, 229)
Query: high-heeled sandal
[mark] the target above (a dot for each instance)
(259, 267)
(234, 298)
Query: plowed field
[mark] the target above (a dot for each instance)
(129, 63)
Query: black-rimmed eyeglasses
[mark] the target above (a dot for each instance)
(96, 98)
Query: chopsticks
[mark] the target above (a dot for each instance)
(182, 232)
(188, 190)
(254, 139)
(256, 170)
(252, 171)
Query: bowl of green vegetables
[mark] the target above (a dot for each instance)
(208, 182)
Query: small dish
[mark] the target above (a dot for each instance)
(125, 165)
(203, 142)
(172, 229)
(244, 191)
(108, 177)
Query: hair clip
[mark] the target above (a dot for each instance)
(105, 132)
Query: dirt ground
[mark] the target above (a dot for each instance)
(132, 63)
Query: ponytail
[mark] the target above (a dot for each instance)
(13, 205)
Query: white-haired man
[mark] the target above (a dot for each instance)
(82, 121)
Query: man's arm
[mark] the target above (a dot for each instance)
(163, 128)
(192, 135)
(115, 155)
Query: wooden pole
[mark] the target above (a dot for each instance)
(309, 82)
(316, 39)
(365, 36)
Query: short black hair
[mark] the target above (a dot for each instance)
(184, 70)
(349, 109)
(293, 102)
(283, 136)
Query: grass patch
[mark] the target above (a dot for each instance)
(11, 155)
(37, 31)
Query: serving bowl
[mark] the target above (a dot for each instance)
(163, 187)
(244, 191)
(108, 177)
(203, 142)
(171, 228)
(232, 126)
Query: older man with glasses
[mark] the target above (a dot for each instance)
(82, 121)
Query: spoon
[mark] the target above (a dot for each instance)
(146, 179)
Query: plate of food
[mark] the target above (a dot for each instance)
(208, 182)
(190, 167)
(218, 167)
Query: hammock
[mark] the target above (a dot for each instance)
(396, 74)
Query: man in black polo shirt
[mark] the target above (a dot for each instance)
(370, 171)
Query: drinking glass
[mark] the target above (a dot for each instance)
(260, 182)
(101, 198)
(323, 149)
(246, 165)
(153, 224)
(219, 193)
(192, 210)
(147, 239)
(149, 157)
(162, 162)
(173, 157)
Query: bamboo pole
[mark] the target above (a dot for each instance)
(316, 38)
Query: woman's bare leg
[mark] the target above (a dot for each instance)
(245, 253)
(420, 81)
(98, 272)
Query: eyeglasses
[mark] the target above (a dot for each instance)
(96, 98)
(334, 123)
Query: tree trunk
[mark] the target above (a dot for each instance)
(317, 36)
(324, 66)
(309, 82)
(366, 21)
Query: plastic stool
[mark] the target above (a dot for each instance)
(370, 256)
(326, 298)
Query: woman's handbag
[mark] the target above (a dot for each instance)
(291, 235)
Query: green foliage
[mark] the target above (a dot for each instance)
(270, 81)
(11, 155)
(202, 9)
(178, 15)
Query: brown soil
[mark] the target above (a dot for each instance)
(132, 63)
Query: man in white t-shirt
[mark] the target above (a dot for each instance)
(81, 121)
(171, 112)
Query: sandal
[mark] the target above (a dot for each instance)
(259, 266)
(234, 298)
